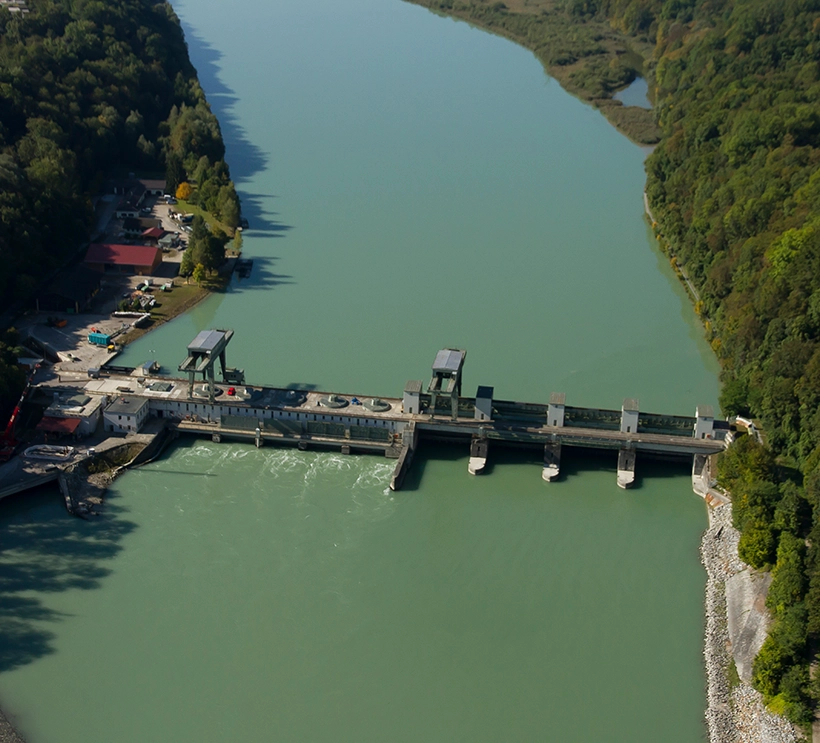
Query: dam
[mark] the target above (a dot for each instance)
(351, 423)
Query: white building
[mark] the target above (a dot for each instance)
(126, 414)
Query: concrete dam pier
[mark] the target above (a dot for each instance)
(393, 426)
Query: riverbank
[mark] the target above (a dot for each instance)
(7, 732)
(588, 57)
(734, 710)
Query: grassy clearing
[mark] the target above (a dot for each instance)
(187, 208)
(170, 304)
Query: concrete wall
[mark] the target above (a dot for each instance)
(214, 413)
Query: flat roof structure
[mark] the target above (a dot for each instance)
(448, 361)
(78, 405)
(209, 342)
(127, 405)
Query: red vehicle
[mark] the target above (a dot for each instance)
(231, 391)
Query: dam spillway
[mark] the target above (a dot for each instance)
(394, 426)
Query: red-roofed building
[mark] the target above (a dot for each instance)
(60, 426)
(154, 234)
(138, 259)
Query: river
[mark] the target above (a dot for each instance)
(411, 183)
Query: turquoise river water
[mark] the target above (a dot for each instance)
(411, 182)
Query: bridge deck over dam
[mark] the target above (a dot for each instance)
(351, 423)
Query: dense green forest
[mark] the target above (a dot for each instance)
(90, 90)
(735, 186)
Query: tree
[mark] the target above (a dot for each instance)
(186, 266)
(227, 205)
(199, 274)
(174, 172)
(757, 544)
(184, 191)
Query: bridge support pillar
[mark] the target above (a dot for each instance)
(552, 461)
(626, 468)
(479, 446)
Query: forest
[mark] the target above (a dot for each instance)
(91, 90)
(734, 184)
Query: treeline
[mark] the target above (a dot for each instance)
(776, 516)
(735, 187)
(205, 248)
(195, 153)
(91, 89)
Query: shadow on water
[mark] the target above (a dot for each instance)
(433, 450)
(574, 462)
(46, 551)
(262, 276)
(244, 158)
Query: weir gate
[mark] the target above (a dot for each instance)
(394, 426)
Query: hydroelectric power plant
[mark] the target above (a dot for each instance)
(351, 423)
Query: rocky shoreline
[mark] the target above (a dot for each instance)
(7, 732)
(734, 711)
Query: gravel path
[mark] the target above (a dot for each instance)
(733, 715)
